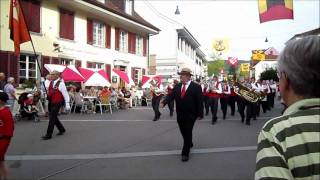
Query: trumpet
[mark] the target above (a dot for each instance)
(247, 93)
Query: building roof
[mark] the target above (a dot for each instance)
(109, 6)
(183, 32)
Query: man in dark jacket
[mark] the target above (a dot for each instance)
(189, 107)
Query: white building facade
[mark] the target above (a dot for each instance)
(174, 47)
(102, 34)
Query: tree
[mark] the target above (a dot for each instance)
(269, 74)
(215, 66)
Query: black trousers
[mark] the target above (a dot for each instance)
(170, 106)
(186, 124)
(214, 108)
(270, 100)
(224, 106)
(241, 103)
(53, 118)
(265, 106)
(251, 111)
(232, 104)
(206, 104)
(155, 105)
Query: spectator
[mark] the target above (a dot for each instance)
(6, 133)
(11, 91)
(289, 145)
(2, 81)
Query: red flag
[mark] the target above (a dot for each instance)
(275, 9)
(18, 29)
(233, 61)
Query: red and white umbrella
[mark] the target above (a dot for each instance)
(146, 79)
(94, 77)
(68, 73)
(124, 76)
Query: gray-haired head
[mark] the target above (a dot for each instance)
(10, 80)
(300, 60)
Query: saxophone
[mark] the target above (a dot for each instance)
(246, 93)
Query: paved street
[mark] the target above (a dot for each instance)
(129, 145)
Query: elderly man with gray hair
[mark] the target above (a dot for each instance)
(11, 91)
(289, 145)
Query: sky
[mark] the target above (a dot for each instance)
(235, 21)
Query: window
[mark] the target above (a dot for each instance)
(98, 34)
(65, 61)
(123, 41)
(98, 66)
(139, 45)
(129, 7)
(27, 68)
(66, 24)
(137, 75)
(31, 10)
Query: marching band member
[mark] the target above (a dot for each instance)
(157, 93)
(57, 97)
(264, 103)
(232, 99)
(241, 102)
(169, 91)
(224, 97)
(215, 90)
(205, 96)
(253, 109)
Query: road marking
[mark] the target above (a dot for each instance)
(145, 120)
(124, 155)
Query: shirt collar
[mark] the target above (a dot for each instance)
(305, 102)
(187, 83)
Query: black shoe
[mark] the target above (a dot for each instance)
(46, 137)
(155, 119)
(191, 146)
(171, 114)
(184, 158)
(247, 123)
(61, 133)
(224, 117)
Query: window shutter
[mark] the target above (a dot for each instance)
(35, 16)
(133, 43)
(117, 38)
(89, 31)
(108, 36)
(89, 64)
(4, 62)
(143, 71)
(77, 63)
(129, 42)
(133, 71)
(13, 66)
(108, 71)
(55, 60)
(145, 46)
(45, 60)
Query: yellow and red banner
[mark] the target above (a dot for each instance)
(245, 67)
(270, 10)
(17, 25)
(258, 55)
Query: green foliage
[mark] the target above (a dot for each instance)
(269, 74)
(214, 67)
(29, 83)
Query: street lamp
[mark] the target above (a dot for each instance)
(177, 11)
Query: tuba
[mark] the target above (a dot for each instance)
(246, 93)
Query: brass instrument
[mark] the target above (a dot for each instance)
(246, 93)
(156, 91)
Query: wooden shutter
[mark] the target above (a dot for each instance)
(133, 73)
(143, 71)
(35, 16)
(45, 60)
(77, 63)
(66, 24)
(108, 71)
(89, 64)
(55, 60)
(108, 36)
(132, 43)
(13, 66)
(117, 38)
(145, 44)
(89, 31)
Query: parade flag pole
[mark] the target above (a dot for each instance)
(19, 31)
